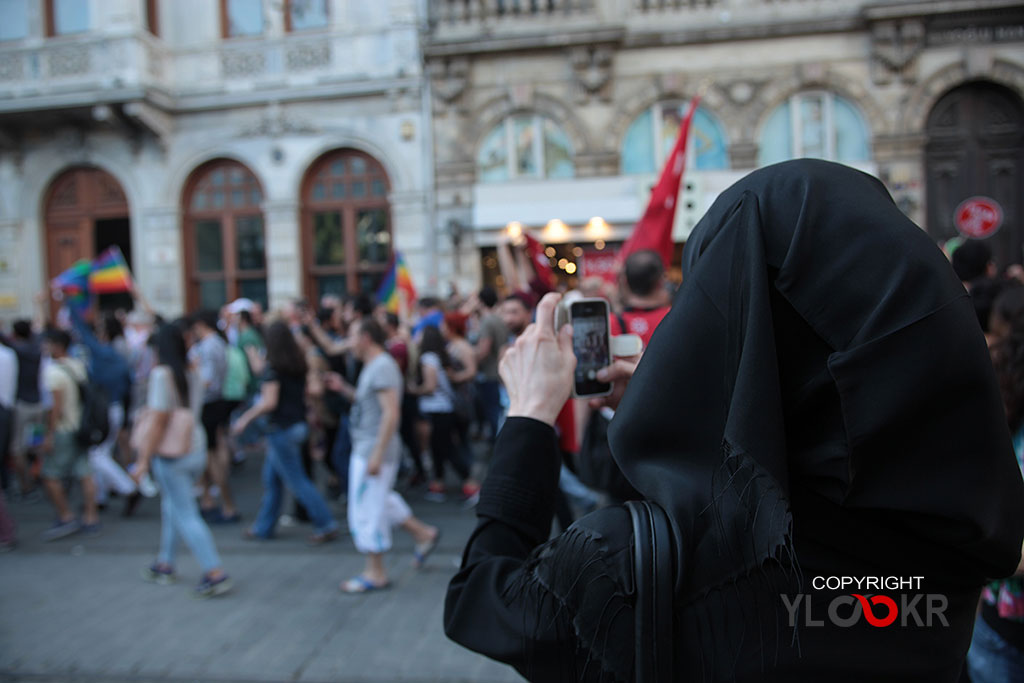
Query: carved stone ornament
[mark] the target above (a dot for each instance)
(894, 49)
(449, 79)
(304, 56)
(592, 69)
(70, 60)
(11, 67)
(275, 123)
(243, 62)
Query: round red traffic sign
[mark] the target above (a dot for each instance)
(978, 217)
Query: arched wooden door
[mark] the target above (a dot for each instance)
(225, 244)
(346, 224)
(86, 211)
(976, 147)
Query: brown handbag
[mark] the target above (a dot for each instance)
(176, 440)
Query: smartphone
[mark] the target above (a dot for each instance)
(591, 342)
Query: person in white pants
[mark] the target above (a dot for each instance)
(373, 505)
(107, 474)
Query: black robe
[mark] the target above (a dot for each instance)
(818, 403)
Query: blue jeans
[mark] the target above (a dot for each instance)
(991, 659)
(489, 395)
(179, 512)
(283, 467)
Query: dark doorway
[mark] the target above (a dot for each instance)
(976, 147)
(86, 212)
(110, 232)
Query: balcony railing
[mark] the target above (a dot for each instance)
(468, 20)
(656, 5)
(454, 12)
(65, 66)
(72, 71)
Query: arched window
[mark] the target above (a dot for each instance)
(649, 139)
(346, 224)
(525, 146)
(225, 256)
(816, 124)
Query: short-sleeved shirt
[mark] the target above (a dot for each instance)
(639, 321)
(64, 375)
(162, 394)
(29, 363)
(440, 401)
(8, 377)
(249, 338)
(379, 374)
(210, 354)
(492, 327)
(291, 398)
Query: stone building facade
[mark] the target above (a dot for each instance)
(263, 148)
(555, 115)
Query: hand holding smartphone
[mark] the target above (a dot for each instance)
(591, 344)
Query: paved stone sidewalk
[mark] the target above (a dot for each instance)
(77, 609)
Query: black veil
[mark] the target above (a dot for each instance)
(919, 457)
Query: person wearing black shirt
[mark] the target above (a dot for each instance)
(283, 400)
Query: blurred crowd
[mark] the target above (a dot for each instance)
(305, 389)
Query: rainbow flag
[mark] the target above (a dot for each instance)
(110, 273)
(73, 284)
(398, 282)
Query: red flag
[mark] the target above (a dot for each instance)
(654, 229)
(539, 261)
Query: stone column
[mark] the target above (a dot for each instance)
(19, 279)
(158, 259)
(284, 252)
(411, 234)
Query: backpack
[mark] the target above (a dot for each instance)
(237, 377)
(94, 423)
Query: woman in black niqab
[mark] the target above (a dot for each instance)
(818, 403)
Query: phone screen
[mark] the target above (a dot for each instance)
(590, 343)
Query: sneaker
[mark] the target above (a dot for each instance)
(209, 588)
(147, 487)
(91, 529)
(159, 573)
(7, 546)
(61, 530)
(435, 493)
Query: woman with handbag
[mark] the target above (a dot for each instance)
(816, 418)
(170, 440)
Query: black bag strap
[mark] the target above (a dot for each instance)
(83, 387)
(622, 324)
(652, 558)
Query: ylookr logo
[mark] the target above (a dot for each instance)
(880, 611)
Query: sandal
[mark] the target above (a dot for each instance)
(326, 537)
(250, 535)
(361, 584)
(422, 550)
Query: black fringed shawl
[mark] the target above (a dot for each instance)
(819, 400)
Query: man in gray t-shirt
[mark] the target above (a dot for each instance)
(379, 375)
(373, 505)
